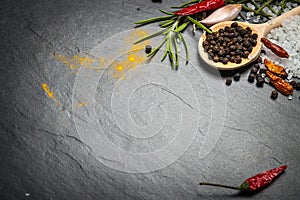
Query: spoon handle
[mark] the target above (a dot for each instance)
(276, 22)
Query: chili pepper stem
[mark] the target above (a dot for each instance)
(220, 185)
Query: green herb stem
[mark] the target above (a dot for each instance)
(263, 6)
(220, 185)
(199, 24)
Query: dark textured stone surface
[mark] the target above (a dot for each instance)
(41, 155)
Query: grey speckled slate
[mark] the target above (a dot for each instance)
(153, 133)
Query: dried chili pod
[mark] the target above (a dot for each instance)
(281, 85)
(278, 50)
(276, 69)
(199, 7)
(256, 182)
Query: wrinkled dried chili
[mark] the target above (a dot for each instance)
(281, 85)
(199, 7)
(276, 69)
(276, 49)
(256, 182)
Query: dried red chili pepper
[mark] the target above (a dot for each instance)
(256, 182)
(199, 7)
(276, 69)
(281, 85)
(278, 50)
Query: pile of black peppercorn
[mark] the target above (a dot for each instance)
(230, 44)
(257, 73)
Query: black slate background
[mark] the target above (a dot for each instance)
(41, 156)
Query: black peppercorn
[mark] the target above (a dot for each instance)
(234, 24)
(256, 66)
(293, 83)
(260, 82)
(258, 76)
(225, 60)
(297, 86)
(274, 94)
(251, 78)
(228, 81)
(238, 60)
(254, 36)
(221, 52)
(212, 42)
(216, 58)
(259, 60)
(248, 29)
(237, 76)
(148, 48)
(250, 49)
(262, 70)
(254, 70)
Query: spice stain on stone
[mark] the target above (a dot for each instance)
(50, 93)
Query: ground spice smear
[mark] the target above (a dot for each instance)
(79, 60)
(50, 93)
(134, 56)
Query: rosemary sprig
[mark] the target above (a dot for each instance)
(172, 31)
(172, 28)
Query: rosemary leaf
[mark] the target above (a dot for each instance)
(187, 57)
(199, 24)
(150, 36)
(166, 12)
(182, 27)
(154, 51)
(263, 6)
(151, 20)
(176, 53)
(167, 23)
(171, 54)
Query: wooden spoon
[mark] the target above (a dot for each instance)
(260, 29)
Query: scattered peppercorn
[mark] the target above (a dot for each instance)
(293, 83)
(256, 66)
(251, 78)
(260, 82)
(274, 94)
(258, 76)
(297, 86)
(148, 48)
(259, 59)
(228, 81)
(237, 76)
(262, 70)
(254, 70)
